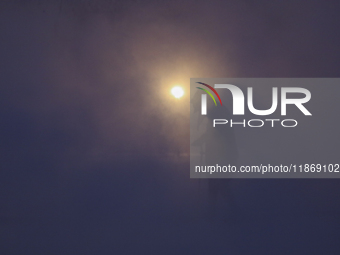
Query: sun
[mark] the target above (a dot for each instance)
(177, 92)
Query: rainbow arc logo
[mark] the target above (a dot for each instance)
(208, 92)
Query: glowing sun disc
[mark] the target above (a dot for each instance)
(177, 92)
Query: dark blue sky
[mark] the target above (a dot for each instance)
(92, 150)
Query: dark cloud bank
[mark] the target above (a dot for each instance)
(93, 147)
